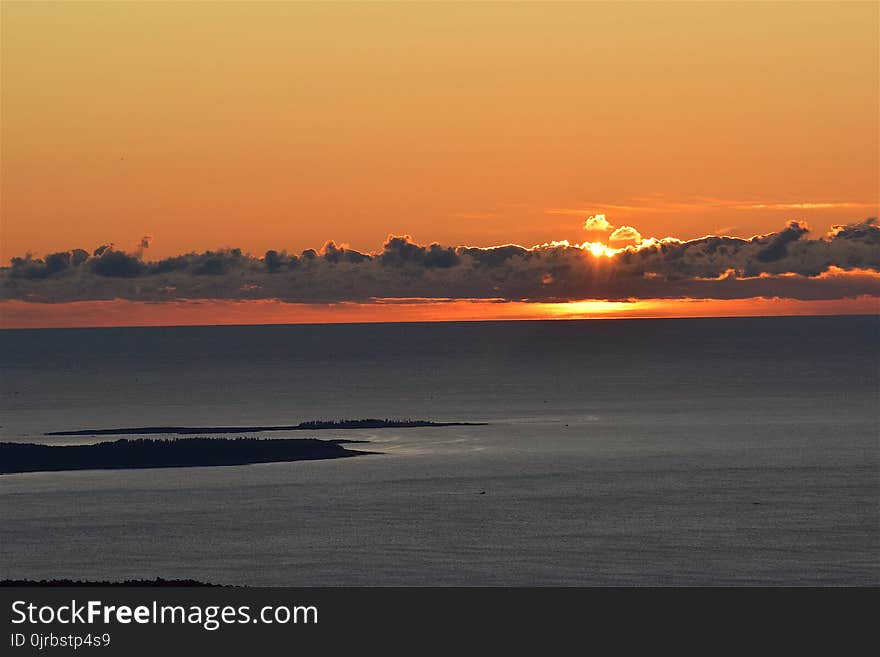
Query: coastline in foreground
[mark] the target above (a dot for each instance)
(152, 453)
(129, 582)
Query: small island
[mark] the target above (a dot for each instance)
(173, 453)
(316, 425)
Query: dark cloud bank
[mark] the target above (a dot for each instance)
(787, 263)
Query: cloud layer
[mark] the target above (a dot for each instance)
(787, 263)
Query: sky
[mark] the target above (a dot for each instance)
(258, 126)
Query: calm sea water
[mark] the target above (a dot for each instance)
(703, 451)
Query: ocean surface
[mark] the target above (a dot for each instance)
(618, 452)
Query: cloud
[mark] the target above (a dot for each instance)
(597, 223)
(116, 264)
(143, 245)
(659, 204)
(625, 234)
(777, 245)
(820, 205)
(786, 263)
(867, 230)
(402, 252)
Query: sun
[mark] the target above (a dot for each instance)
(588, 308)
(597, 249)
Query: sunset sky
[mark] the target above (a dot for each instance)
(283, 125)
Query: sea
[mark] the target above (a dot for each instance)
(685, 452)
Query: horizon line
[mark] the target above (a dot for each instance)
(494, 320)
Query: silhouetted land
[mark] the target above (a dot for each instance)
(369, 423)
(129, 582)
(151, 453)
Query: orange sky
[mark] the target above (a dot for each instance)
(23, 315)
(281, 125)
